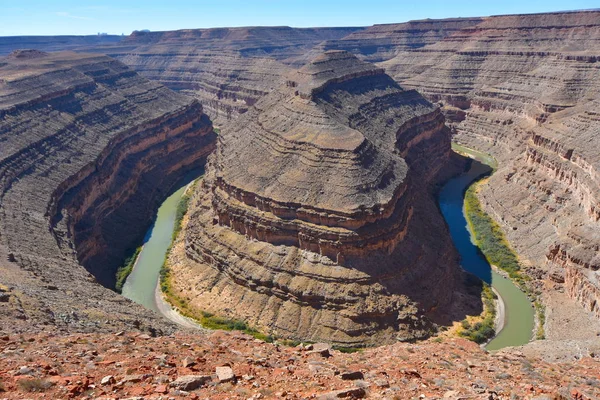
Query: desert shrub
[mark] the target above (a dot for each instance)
(34, 385)
(541, 314)
(481, 331)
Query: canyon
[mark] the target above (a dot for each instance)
(523, 88)
(88, 151)
(333, 234)
(316, 218)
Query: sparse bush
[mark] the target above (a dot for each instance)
(541, 314)
(347, 350)
(481, 331)
(34, 385)
(489, 237)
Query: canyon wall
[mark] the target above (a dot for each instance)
(526, 89)
(8, 44)
(316, 218)
(522, 87)
(227, 69)
(88, 150)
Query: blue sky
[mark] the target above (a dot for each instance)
(79, 17)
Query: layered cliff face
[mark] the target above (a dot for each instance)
(526, 88)
(225, 82)
(316, 220)
(227, 69)
(378, 43)
(88, 149)
(8, 44)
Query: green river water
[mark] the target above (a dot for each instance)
(141, 283)
(519, 313)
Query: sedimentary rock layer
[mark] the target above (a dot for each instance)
(8, 44)
(381, 42)
(227, 69)
(526, 88)
(88, 149)
(316, 219)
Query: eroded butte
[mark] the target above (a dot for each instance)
(316, 220)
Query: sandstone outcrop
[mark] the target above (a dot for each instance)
(88, 150)
(316, 219)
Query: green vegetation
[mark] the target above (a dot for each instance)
(541, 317)
(347, 350)
(182, 208)
(205, 319)
(490, 239)
(124, 270)
(481, 331)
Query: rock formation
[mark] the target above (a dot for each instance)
(382, 42)
(88, 149)
(316, 219)
(526, 88)
(227, 69)
(8, 44)
(523, 87)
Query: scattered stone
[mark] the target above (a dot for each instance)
(382, 383)
(190, 382)
(225, 374)
(25, 370)
(452, 394)
(322, 349)
(412, 372)
(132, 378)
(161, 389)
(355, 393)
(188, 362)
(352, 376)
(108, 380)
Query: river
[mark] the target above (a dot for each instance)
(519, 313)
(141, 285)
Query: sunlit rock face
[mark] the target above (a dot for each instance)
(88, 150)
(316, 219)
(526, 88)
